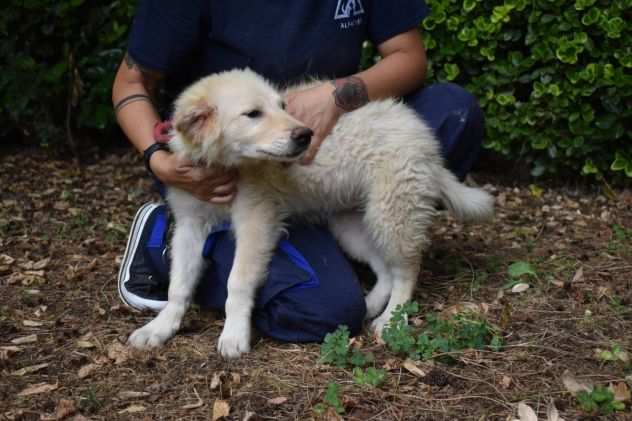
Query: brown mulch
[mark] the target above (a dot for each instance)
(63, 327)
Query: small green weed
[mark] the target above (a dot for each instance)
(439, 336)
(335, 348)
(89, 402)
(330, 400)
(371, 376)
(600, 401)
(335, 351)
(614, 354)
(621, 240)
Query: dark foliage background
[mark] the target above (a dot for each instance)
(554, 76)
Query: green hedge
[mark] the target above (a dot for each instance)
(59, 60)
(553, 76)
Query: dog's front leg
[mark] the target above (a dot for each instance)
(257, 228)
(187, 265)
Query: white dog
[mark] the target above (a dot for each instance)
(377, 179)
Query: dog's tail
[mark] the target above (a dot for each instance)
(465, 203)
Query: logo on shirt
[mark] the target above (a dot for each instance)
(348, 8)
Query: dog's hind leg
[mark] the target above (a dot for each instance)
(257, 230)
(187, 264)
(397, 218)
(404, 279)
(353, 236)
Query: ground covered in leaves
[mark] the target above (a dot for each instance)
(551, 274)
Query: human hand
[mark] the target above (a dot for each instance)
(215, 185)
(316, 108)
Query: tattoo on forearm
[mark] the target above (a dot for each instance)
(129, 99)
(151, 78)
(351, 93)
(130, 61)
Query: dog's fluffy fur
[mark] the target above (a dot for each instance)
(377, 179)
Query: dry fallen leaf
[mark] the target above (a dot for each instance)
(458, 308)
(390, 364)
(85, 344)
(65, 407)
(87, 370)
(133, 409)
(130, 394)
(573, 385)
(248, 416)
(38, 388)
(331, 415)
(526, 413)
(551, 412)
(579, 275)
(410, 365)
(521, 287)
(197, 404)
(621, 391)
(30, 369)
(7, 351)
(25, 340)
(235, 378)
(505, 382)
(118, 352)
(41, 264)
(5, 259)
(277, 401)
(221, 409)
(216, 380)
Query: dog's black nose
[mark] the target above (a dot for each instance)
(301, 136)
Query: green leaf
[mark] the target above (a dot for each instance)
(371, 377)
(619, 163)
(332, 397)
(469, 5)
(589, 167)
(451, 70)
(335, 347)
(520, 268)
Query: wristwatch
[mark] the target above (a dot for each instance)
(147, 153)
(162, 136)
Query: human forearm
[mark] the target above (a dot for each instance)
(133, 97)
(395, 75)
(401, 71)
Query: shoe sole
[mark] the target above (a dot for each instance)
(129, 299)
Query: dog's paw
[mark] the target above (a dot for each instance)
(233, 343)
(377, 325)
(151, 335)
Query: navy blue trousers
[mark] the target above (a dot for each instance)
(311, 287)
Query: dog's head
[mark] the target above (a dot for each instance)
(236, 115)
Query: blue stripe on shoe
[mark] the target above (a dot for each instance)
(157, 237)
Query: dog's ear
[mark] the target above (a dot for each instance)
(197, 123)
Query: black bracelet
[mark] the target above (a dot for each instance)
(147, 153)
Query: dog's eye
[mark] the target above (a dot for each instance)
(253, 114)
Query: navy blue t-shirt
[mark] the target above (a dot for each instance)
(284, 40)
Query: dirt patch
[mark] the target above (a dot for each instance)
(62, 326)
